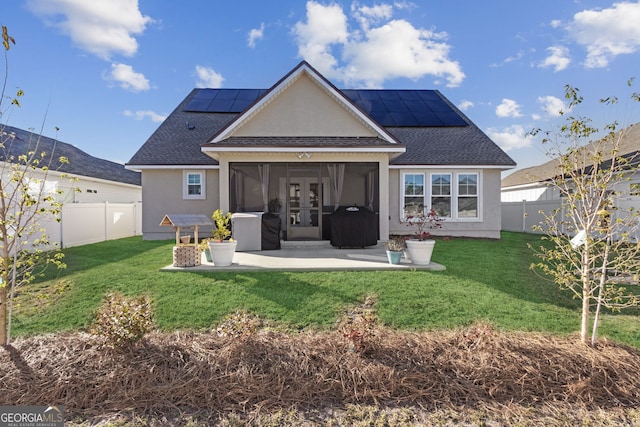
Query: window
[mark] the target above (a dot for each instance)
(413, 194)
(441, 194)
(193, 185)
(454, 195)
(468, 195)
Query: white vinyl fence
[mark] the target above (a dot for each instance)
(84, 223)
(523, 216)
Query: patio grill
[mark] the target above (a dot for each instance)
(353, 226)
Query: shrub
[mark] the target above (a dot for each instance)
(123, 321)
(239, 324)
(358, 326)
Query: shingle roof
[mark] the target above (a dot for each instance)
(628, 147)
(177, 140)
(80, 163)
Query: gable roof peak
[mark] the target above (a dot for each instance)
(286, 81)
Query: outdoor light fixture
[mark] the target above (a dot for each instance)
(305, 154)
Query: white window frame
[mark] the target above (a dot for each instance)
(454, 196)
(404, 196)
(458, 196)
(185, 185)
(450, 196)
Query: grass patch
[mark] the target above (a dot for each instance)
(486, 280)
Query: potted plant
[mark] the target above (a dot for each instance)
(274, 205)
(222, 247)
(419, 245)
(395, 247)
(204, 248)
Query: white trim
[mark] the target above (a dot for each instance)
(537, 184)
(452, 167)
(170, 167)
(303, 149)
(453, 173)
(477, 196)
(185, 185)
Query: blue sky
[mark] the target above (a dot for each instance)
(106, 72)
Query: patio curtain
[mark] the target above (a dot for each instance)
(336, 173)
(238, 184)
(371, 188)
(264, 172)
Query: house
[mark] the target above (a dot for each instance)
(101, 203)
(98, 180)
(528, 192)
(305, 148)
(534, 183)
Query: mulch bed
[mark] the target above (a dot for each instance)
(270, 371)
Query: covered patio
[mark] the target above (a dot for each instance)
(310, 256)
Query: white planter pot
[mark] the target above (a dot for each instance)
(222, 252)
(419, 251)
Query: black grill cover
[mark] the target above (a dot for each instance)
(353, 227)
(270, 232)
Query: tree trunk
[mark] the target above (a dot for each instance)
(584, 324)
(3, 314)
(586, 296)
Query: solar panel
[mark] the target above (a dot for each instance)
(387, 107)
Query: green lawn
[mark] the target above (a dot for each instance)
(486, 280)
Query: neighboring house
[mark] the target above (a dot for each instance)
(528, 192)
(314, 148)
(534, 183)
(98, 180)
(101, 203)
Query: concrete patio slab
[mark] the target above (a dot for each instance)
(311, 256)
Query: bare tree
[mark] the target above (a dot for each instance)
(593, 246)
(26, 200)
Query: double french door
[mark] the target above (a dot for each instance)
(304, 204)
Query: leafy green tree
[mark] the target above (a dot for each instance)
(25, 249)
(594, 248)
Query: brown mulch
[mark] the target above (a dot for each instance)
(269, 371)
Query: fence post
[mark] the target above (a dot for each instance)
(106, 220)
(524, 215)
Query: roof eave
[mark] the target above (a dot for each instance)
(214, 151)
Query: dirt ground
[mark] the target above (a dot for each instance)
(377, 377)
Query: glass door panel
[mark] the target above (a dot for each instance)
(304, 208)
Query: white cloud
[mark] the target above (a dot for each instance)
(408, 52)
(518, 56)
(102, 28)
(558, 59)
(607, 33)
(325, 26)
(255, 34)
(465, 105)
(368, 16)
(142, 114)
(552, 106)
(208, 77)
(128, 79)
(511, 138)
(508, 108)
